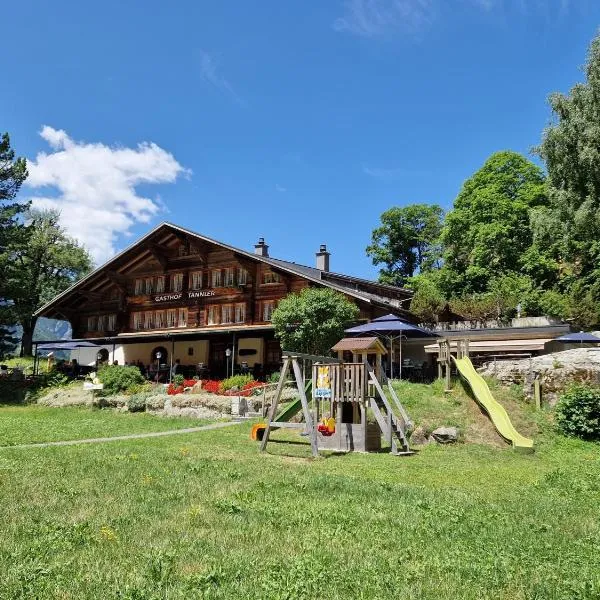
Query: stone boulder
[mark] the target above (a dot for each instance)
(418, 437)
(556, 371)
(445, 435)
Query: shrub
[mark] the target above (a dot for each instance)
(274, 377)
(137, 402)
(578, 412)
(119, 379)
(237, 381)
(178, 380)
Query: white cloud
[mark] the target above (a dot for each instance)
(280, 188)
(372, 18)
(380, 18)
(94, 187)
(210, 72)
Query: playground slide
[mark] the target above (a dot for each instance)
(494, 409)
(289, 411)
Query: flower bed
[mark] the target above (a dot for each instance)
(213, 386)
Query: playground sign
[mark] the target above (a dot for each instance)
(323, 388)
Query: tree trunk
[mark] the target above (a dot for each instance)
(27, 339)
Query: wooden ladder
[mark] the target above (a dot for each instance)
(393, 424)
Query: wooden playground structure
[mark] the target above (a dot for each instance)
(338, 396)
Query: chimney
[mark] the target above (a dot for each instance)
(323, 258)
(261, 248)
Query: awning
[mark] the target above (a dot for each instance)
(66, 345)
(497, 345)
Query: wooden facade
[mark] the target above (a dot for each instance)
(174, 282)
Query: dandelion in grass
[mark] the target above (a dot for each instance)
(108, 534)
(184, 451)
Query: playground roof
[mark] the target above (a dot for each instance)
(361, 344)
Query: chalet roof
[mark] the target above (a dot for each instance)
(360, 344)
(345, 284)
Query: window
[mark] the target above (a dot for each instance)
(196, 280)
(176, 282)
(159, 319)
(183, 317)
(270, 277)
(240, 313)
(111, 323)
(148, 285)
(171, 317)
(229, 277)
(137, 320)
(216, 278)
(91, 324)
(268, 308)
(213, 314)
(139, 287)
(227, 313)
(242, 276)
(102, 323)
(148, 321)
(160, 284)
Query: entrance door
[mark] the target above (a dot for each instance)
(217, 360)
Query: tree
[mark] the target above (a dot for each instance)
(313, 320)
(406, 242)
(39, 265)
(571, 149)
(13, 172)
(428, 300)
(487, 233)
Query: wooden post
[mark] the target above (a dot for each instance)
(448, 382)
(439, 366)
(312, 430)
(537, 392)
(273, 411)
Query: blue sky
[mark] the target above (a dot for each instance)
(300, 121)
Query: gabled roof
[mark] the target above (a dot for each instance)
(360, 345)
(312, 274)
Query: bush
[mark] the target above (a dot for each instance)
(578, 412)
(119, 379)
(237, 381)
(137, 402)
(274, 377)
(178, 380)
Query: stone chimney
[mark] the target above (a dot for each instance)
(323, 258)
(261, 248)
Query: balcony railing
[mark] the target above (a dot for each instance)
(495, 324)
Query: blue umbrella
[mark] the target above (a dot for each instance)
(580, 337)
(66, 345)
(391, 326)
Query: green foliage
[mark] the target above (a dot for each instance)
(487, 233)
(13, 172)
(178, 379)
(428, 300)
(578, 412)
(118, 379)
(37, 266)
(571, 225)
(406, 242)
(237, 381)
(313, 320)
(137, 402)
(274, 377)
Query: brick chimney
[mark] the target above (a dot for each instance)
(261, 248)
(323, 258)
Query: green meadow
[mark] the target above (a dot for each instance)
(205, 515)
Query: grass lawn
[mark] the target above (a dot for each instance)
(205, 515)
(36, 423)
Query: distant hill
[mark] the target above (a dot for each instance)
(47, 329)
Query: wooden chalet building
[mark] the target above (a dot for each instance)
(192, 298)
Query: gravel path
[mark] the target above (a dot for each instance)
(133, 436)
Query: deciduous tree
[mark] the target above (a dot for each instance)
(313, 320)
(406, 242)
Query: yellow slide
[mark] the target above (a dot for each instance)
(494, 409)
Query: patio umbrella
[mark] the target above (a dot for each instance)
(582, 336)
(391, 327)
(68, 345)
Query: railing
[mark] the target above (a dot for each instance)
(494, 324)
